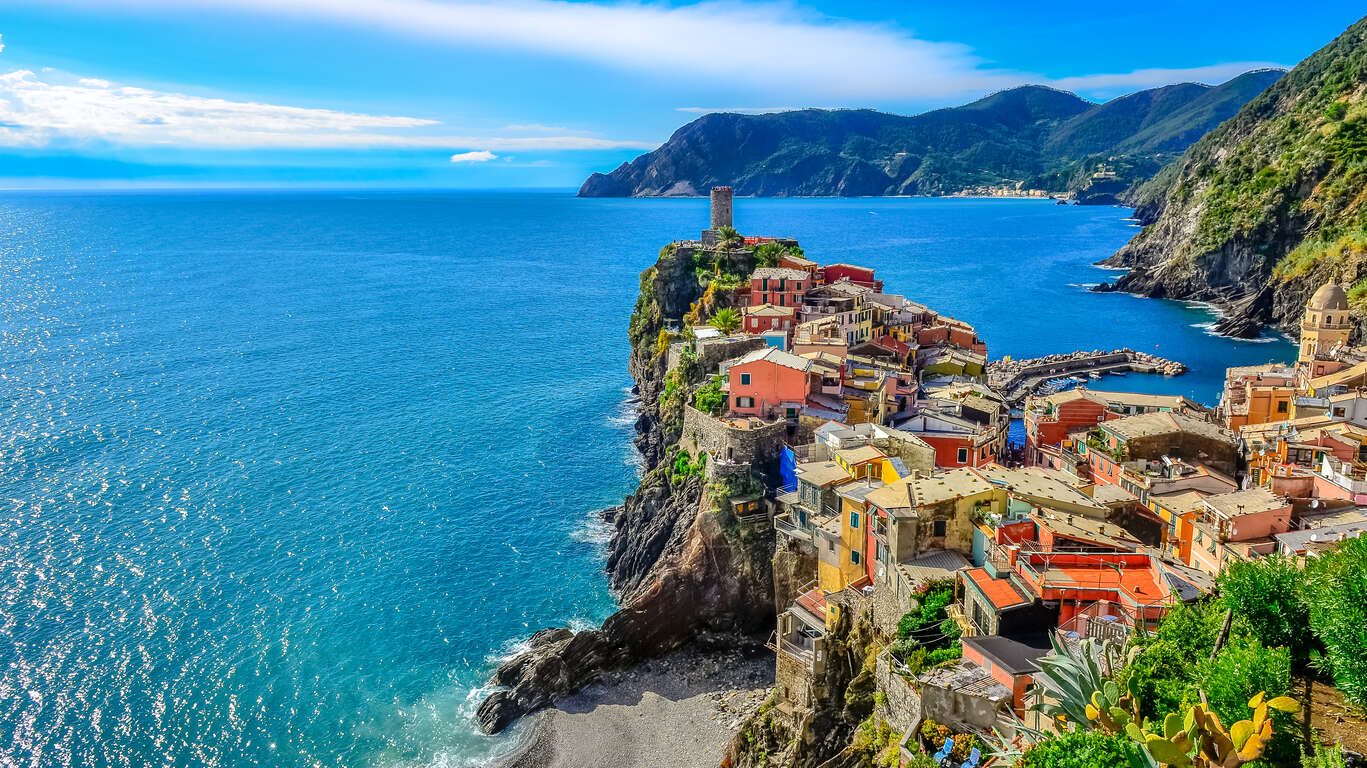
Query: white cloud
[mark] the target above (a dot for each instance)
(480, 156)
(1146, 78)
(38, 112)
(737, 110)
(776, 48)
(534, 128)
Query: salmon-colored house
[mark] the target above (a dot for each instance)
(771, 383)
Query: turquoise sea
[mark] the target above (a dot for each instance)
(282, 475)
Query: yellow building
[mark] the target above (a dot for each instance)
(1325, 328)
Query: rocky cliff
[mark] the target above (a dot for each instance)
(683, 569)
(1269, 205)
(770, 740)
(1042, 137)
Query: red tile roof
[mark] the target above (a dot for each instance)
(1002, 593)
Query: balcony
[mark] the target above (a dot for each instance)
(785, 525)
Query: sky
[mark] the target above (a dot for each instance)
(540, 93)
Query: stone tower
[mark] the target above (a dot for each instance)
(721, 207)
(1326, 324)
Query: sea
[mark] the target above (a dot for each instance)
(284, 475)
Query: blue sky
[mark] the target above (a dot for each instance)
(454, 93)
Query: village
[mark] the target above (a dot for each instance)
(863, 427)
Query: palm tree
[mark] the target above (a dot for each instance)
(726, 320)
(728, 237)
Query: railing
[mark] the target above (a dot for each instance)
(784, 524)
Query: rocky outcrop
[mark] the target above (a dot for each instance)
(1268, 206)
(681, 565)
(771, 739)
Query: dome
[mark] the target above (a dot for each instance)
(1329, 296)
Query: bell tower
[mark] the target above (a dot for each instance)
(1326, 324)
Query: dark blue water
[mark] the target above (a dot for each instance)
(282, 475)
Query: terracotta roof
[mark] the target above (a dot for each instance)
(1002, 593)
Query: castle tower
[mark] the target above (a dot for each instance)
(721, 207)
(1326, 324)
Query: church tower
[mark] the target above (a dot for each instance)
(1326, 324)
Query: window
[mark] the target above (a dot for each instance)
(745, 402)
(745, 379)
(963, 455)
(1339, 412)
(1281, 407)
(854, 557)
(854, 519)
(940, 527)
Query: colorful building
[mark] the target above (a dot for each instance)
(778, 286)
(770, 383)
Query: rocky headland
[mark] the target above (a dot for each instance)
(683, 571)
(1269, 205)
(1027, 138)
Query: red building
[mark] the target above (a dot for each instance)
(767, 317)
(1009, 662)
(778, 286)
(857, 275)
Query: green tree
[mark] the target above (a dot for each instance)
(1336, 586)
(1269, 594)
(727, 320)
(728, 237)
(1162, 675)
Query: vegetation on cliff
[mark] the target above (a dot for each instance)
(1041, 137)
(1273, 196)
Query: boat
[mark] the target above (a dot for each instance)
(1094, 376)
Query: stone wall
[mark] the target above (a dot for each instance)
(731, 445)
(901, 703)
(712, 352)
(792, 682)
(887, 607)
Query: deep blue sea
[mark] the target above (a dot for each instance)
(282, 475)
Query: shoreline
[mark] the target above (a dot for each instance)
(676, 711)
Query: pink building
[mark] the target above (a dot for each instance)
(778, 286)
(771, 383)
(1256, 513)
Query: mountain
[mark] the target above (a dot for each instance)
(1268, 206)
(1038, 136)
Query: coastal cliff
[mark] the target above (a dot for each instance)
(1269, 205)
(682, 567)
(1031, 137)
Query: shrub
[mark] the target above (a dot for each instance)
(1337, 592)
(942, 655)
(1269, 595)
(727, 320)
(1082, 749)
(1240, 670)
(710, 398)
(931, 612)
